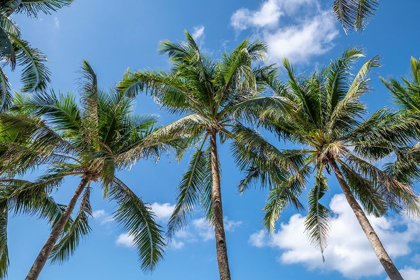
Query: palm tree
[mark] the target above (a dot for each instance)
(213, 96)
(325, 117)
(354, 14)
(92, 141)
(16, 51)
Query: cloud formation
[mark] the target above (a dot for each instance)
(348, 251)
(295, 29)
(162, 211)
(198, 32)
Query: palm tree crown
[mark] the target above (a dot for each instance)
(325, 116)
(214, 96)
(93, 141)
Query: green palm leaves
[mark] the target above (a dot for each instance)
(214, 96)
(354, 14)
(14, 50)
(324, 114)
(90, 140)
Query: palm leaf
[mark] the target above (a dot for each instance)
(138, 219)
(354, 14)
(318, 219)
(33, 7)
(35, 75)
(194, 182)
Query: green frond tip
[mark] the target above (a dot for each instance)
(139, 221)
(195, 182)
(35, 75)
(354, 15)
(33, 7)
(317, 221)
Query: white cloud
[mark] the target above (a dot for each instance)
(98, 213)
(198, 32)
(103, 217)
(231, 225)
(206, 230)
(295, 29)
(176, 245)
(348, 251)
(125, 240)
(203, 228)
(259, 239)
(163, 211)
(268, 15)
(107, 219)
(56, 23)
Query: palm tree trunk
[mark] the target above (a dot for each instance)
(222, 256)
(55, 233)
(373, 238)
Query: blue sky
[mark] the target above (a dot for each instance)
(114, 35)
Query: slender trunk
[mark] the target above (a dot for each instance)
(55, 233)
(373, 238)
(222, 256)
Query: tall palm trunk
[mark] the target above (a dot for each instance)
(219, 230)
(55, 233)
(373, 238)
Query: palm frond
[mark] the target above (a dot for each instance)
(89, 88)
(33, 7)
(317, 222)
(285, 193)
(138, 219)
(35, 74)
(6, 98)
(194, 182)
(354, 14)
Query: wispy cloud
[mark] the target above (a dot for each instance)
(98, 213)
(103, 217)
(348, 251)
(198, 32)
(162, 211)
(125, 240)
(295, 29)
(198, 230)
(56, 23)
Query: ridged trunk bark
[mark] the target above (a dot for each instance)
(55, 233)
(219, 230)
(373, 238)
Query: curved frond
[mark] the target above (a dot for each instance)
(354, 14)
(196, 180)
(35, 74)
(317, 222)
(138, 219)
(33, 7)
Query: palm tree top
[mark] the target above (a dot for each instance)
(93, 139)
(326, 116)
